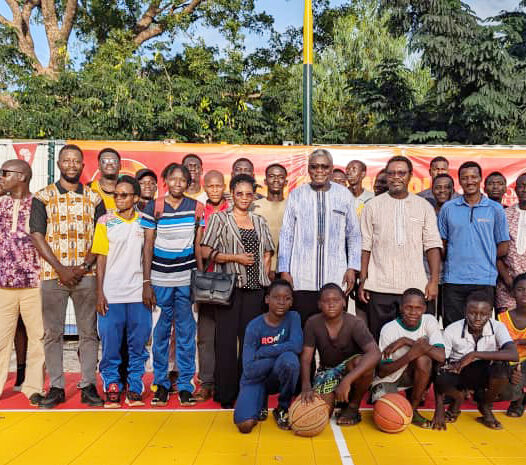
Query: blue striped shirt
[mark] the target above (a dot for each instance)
(173, 252)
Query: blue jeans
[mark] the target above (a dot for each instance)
(282, 379)
(137, 320)
(174, 303)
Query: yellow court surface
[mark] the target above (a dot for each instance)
(209, 438)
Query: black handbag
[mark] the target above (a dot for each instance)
(214, 287)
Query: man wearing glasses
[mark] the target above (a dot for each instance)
(62, 223)
(320, 239)
(397, 228)
(19, 278)
(109, 167)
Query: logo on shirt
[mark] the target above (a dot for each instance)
(267, 340)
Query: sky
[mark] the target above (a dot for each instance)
(285, 12)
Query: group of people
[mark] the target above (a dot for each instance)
(125, 255)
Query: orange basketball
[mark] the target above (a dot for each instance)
(309, 420)
(392, 413)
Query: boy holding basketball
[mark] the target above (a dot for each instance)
(478, 350)
(348, 356)
(272, 345)
(410, 346)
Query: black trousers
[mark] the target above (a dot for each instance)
(455, 297)
(383, 308)
(231, 322)
(306, 304)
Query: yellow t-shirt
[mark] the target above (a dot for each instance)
(108, 199)
(273, 212)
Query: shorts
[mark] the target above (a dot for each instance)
(326, 380)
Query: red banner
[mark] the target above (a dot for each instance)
(25, 151)
(510, 161)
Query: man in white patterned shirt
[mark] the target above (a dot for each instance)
(397, 228)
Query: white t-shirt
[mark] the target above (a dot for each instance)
(459, 341)
(122, 242)
(395, 330)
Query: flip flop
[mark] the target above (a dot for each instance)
(451, 416)
(491, 423)
(420, 421)
(515, 410)
(349, 417)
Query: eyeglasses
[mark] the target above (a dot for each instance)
(123, 195)
(109, 161)
(398, 174)
(3, 173)
(248, 195)
(319, 166)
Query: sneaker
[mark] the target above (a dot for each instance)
(204, 393)
(160, 398)
(263, 414)
(35, 399)
(186, 399)
(134, 399)
(281, 416)
(54, 397)
(113, 396)
(90, 396)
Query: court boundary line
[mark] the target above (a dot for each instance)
(343, 450)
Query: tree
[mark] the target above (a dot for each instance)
(478, 84)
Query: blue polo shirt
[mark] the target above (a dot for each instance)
(472, 234)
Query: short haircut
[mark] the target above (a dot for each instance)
(382, 171)
(494, 174)
(321, 153)
(518, 279)
(277, 283)
(192, 155)
(332, 286)
(276, 165)
(438, 159)
(126, 179)
(442, 176)
(142, 173)
(242, 178)
(74, 147)
(402, 159)
(213, 174)
(109, 150)
(470, 164)
(168, 170)
(413, 291)
(479, 296)
(361, 163)
(240, 160)
(520, 176)
(338, 170)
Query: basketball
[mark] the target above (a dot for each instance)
(392, 413)
(309, 420)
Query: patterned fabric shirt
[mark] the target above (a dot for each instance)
(19, 260)
(173, 250)
(320, 237)
(515, 260)
(67, 220)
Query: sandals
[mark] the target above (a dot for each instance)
(451, 416)
(419, 420)
(490, 422)
(349, 416)
(515, 410)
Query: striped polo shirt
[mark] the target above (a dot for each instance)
(173, 252)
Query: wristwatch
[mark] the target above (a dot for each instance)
(86, 266)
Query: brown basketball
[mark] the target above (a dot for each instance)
(309, 420)
(392, 413)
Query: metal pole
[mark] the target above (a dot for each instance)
(307, 73)
(51, 162)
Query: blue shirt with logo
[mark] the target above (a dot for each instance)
(472, 234)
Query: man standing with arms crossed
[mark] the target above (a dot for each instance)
(62, 223)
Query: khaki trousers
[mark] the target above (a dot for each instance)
(28, 304)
